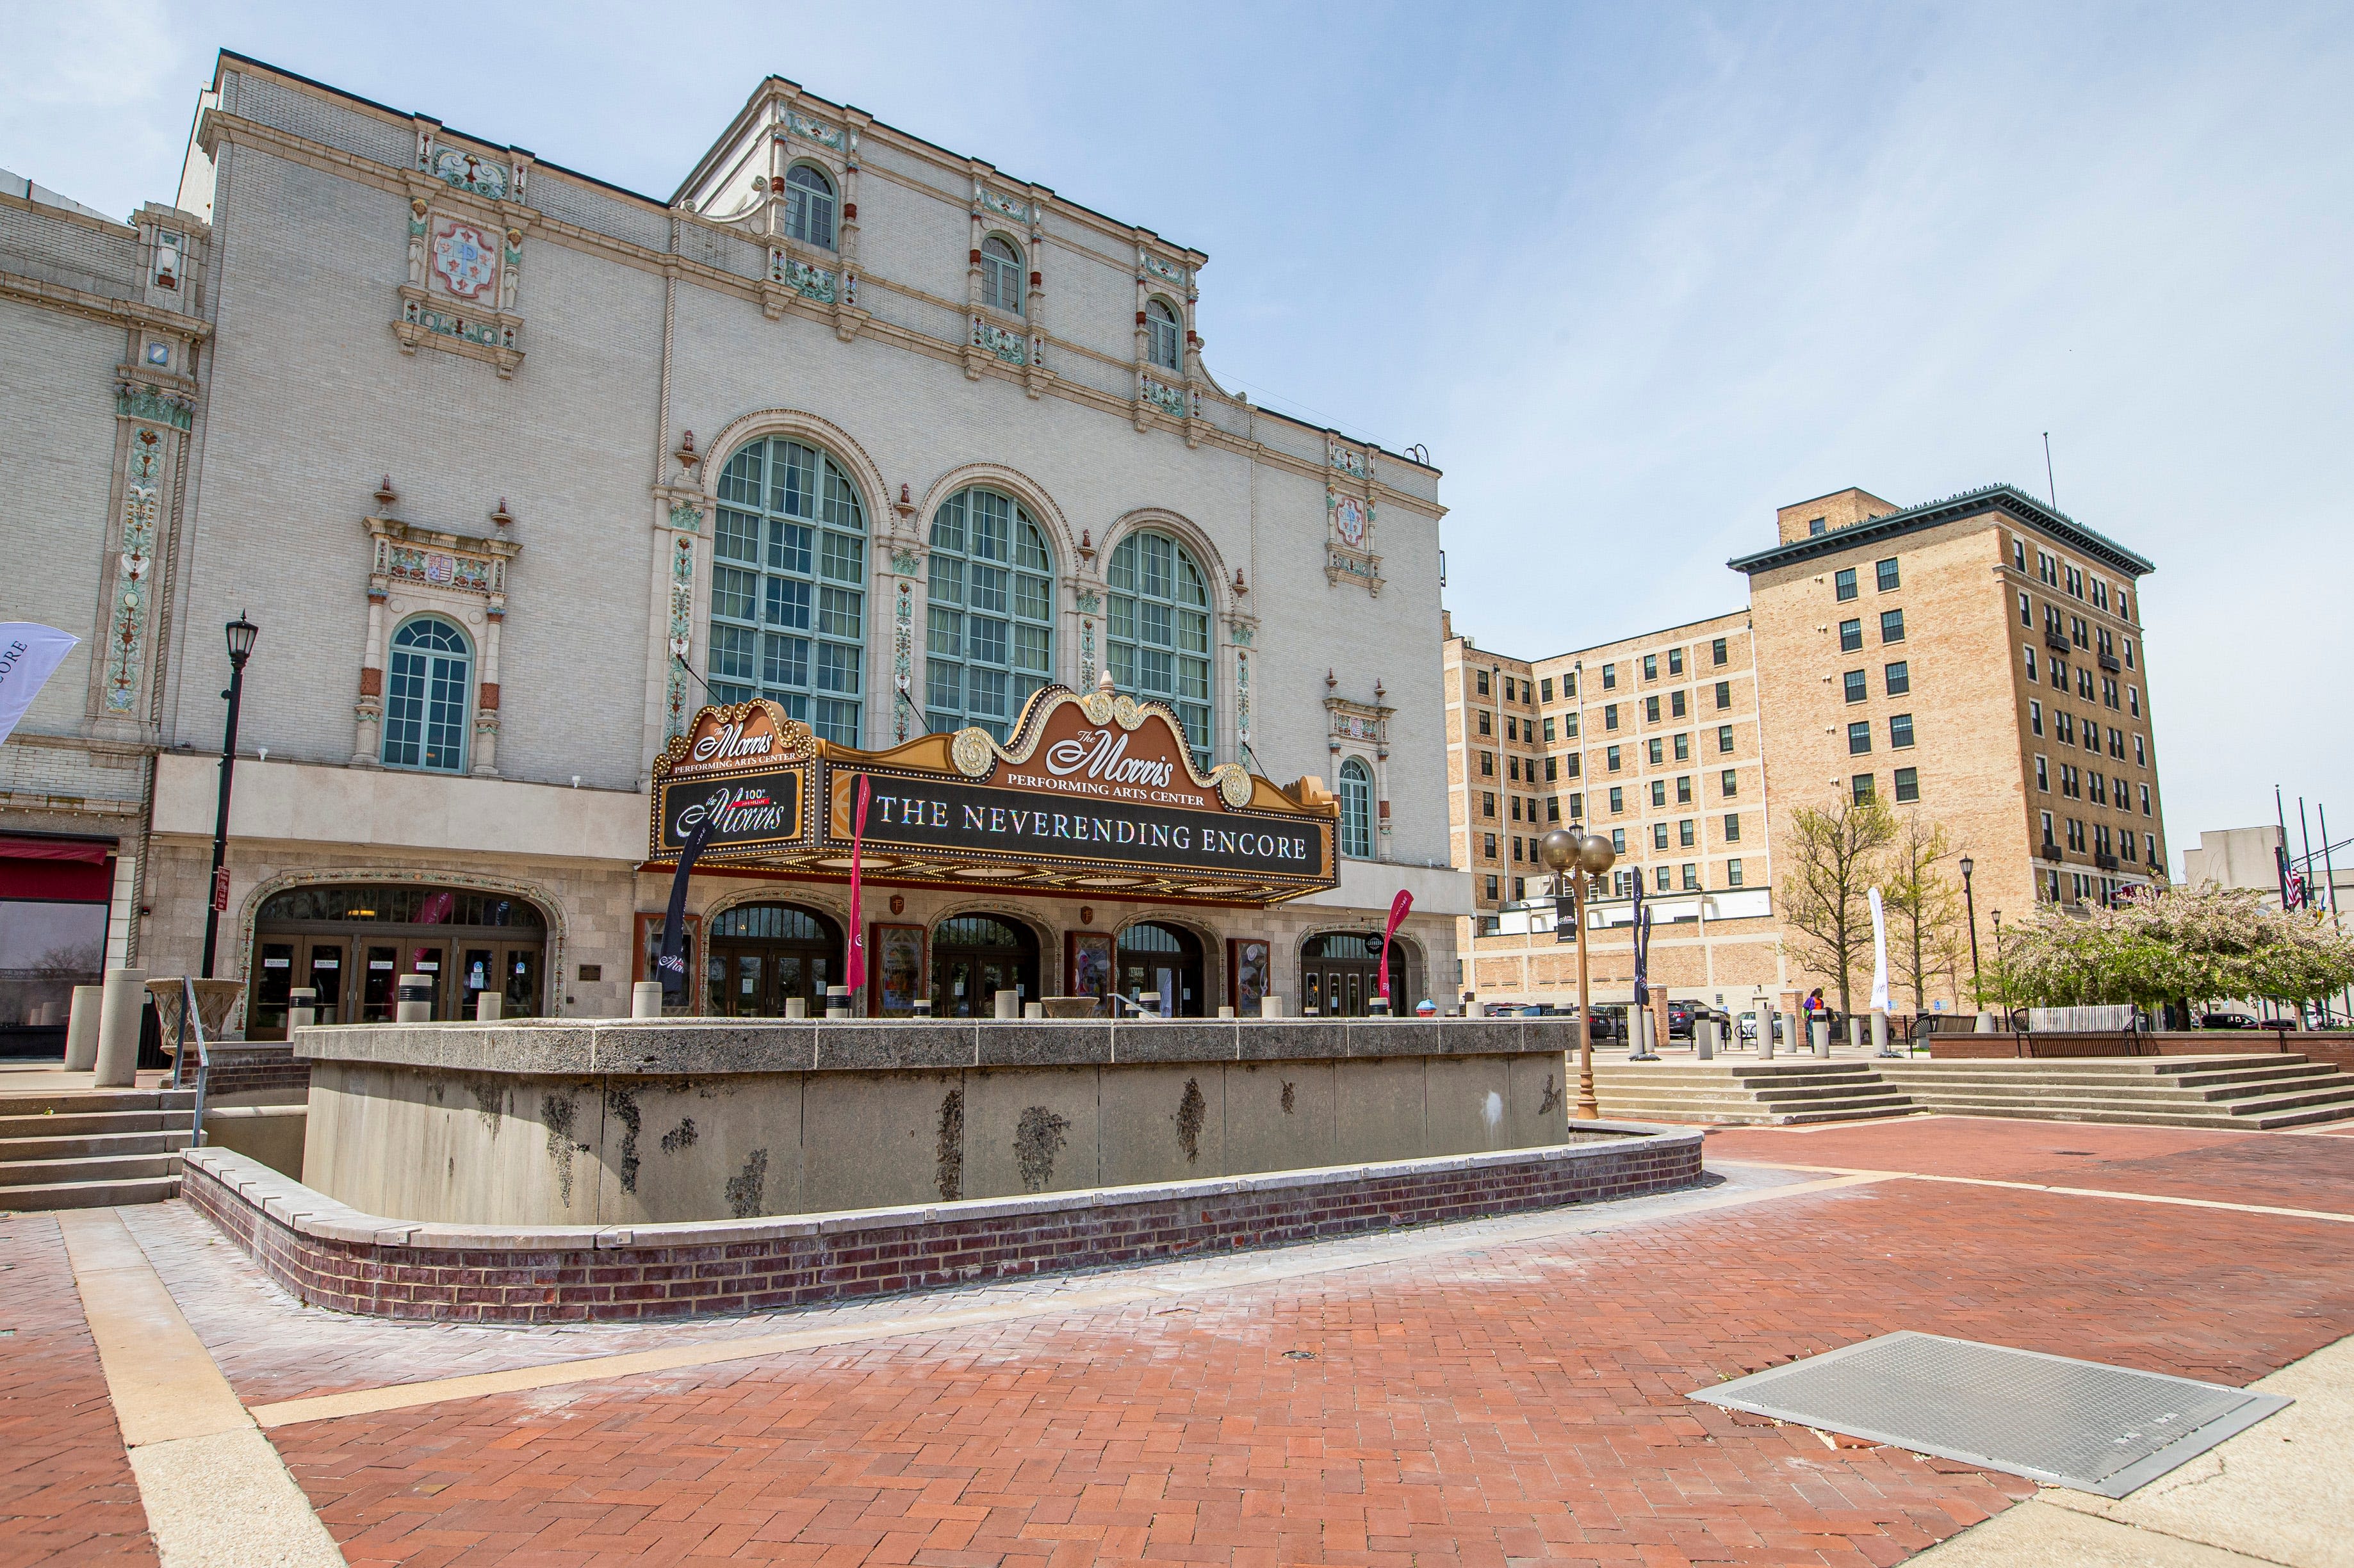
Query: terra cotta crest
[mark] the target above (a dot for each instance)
(465, 258)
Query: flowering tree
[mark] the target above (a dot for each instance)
(2199, 943)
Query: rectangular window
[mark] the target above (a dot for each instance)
(1487, 845)
(2018, 555)
(838, 612)
(2044, 773)
(1516, 850)
(1618, 840)
(1718, 655)
(2031, 661)
(1859, 737)
(1908, 785)
(1609, 677)
(1569, 727)
(1899, 731)
(1850, 636)
(2133, 701)
(1684, 748)
(1732, 874)
(2026, 611)
(2129, 663)
(1513, 768)
(1491, 890)
(1511, 723)
(1553, 768)
(1859, 788)
(1487, 804)
(1898, 677)
(1854, 683)
(1610, 758)
(2047, 827)
(1659, 791)
(1576, 807)
(1885, 572)
(1650, 666)
(2141, 753)
(1576, 765)
(1843, 584)
(2150, 849)
(2064, 722)
(2034, 717)
(1686, 833)
(1724, 737)
(2144, 806)
(1724, 695)
(1484, 682)
(1650, 710)
(1729, 783)
(1655, 751)
(1675, 661)
(1733, 827)
(2108, 692)
(1610, 715)
(1892, 626)
(1544, 689)
(1658, 835)
(1487, 764)
(1548, 729)
(1516, 808)
(1660, 881)
(1684, 789)
(1617, 800)
(1487, 722)
(2076, 834)
(1676, 703)
(1553, 809)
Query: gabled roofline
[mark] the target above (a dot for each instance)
(2007, 499)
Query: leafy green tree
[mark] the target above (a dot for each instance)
(2199, 943)
(1927, 933)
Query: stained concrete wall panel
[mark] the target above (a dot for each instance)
(1279, 1115)
(1379, 1110)
(1536, 1102)
(1162, 1124)
(676, 1149)
(1029, 1131)
(1466, 1101)
(870, 1139)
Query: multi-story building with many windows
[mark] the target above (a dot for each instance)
(1978, 661)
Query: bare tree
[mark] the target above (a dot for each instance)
(1927, 933)
(1832, 857)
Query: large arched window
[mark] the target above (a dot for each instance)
(1161, 340)
(991, 637)
(809, 206)
(1356, 808)
(788, 586)
(1159, 630)
(428, 689)
(1001, 275)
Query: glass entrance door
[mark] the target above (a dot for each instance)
(379, 983)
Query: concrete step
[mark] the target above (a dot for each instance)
(101, 1193)
(1725, 1113)
(90, 1145)
(2335, 1087)
(65, 1122)
(2211, 1120)
(66, 1102)
(46, 1173)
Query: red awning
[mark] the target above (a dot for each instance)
(91, 852)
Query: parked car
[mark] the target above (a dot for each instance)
(2227, 1020)
(1749, 1026)
(1679, 1020)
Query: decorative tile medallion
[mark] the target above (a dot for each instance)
(809, 282)
(1348, 459)
(903, 638)
(489, 334)
(1089, 602)
(816, 131)
(685, 516)
(1002, 203)
(682, 633)
(468, 172)
(1169, 399)
(1348, 520)
(1167, 270)
(1007, 346)
(1087, 655)
(465, 258)
(1242, 696)
(146, 403)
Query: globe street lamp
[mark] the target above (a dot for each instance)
(2001, 975)
(241, 633)
(1978, 996)
(1573, 857)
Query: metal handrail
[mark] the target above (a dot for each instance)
(204, 1055)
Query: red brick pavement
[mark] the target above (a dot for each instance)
(2229, 1167)
(66, 1491)
(1525, 1403)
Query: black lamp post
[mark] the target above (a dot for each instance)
(2002, 975)
(1970, 905)
(241, 633)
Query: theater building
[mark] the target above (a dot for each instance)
(911, 466)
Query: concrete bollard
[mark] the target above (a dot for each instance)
(1034, 1010)
(1271, 1005)
(797, 1006)
(1880, 1033)
(1985, 1024)
(300, 1012)
(837, 1002)
(1705, 1039)
(1645, 1035)
(490, 1006)
(81, 1027)
(1225, 1012)
(923, 1006)
(1767, 1024)
(1009, 1004)
(646, 999)
(415, 1000)
(1854, 1032)
(123, 999)
(1822, 1034)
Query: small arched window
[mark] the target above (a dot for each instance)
(1159, 630)
(1161, 341)
(990, 632)
(1356, 809)
(809, 206)
(428, 690)
(1001, 275)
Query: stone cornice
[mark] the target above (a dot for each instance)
(100, 307)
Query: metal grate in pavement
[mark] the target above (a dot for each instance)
(2072, 1424)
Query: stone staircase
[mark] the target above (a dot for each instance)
(87, 1148)
(2244, 1092)
(1745, 1093)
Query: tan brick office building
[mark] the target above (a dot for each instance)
(1977, 659)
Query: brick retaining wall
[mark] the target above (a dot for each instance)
(336, 1257)
(2053, 1046)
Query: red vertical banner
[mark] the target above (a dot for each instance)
(220, 890)
(856, 978)
(1398, 907)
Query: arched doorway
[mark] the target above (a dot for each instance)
(763, 954)
(1164, 959)
(351, 944)
(1340, 974)
(974, 956)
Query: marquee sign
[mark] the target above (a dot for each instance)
(1095, 794)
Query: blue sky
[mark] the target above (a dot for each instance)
(1636, 275)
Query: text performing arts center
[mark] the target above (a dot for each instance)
(856, 459)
